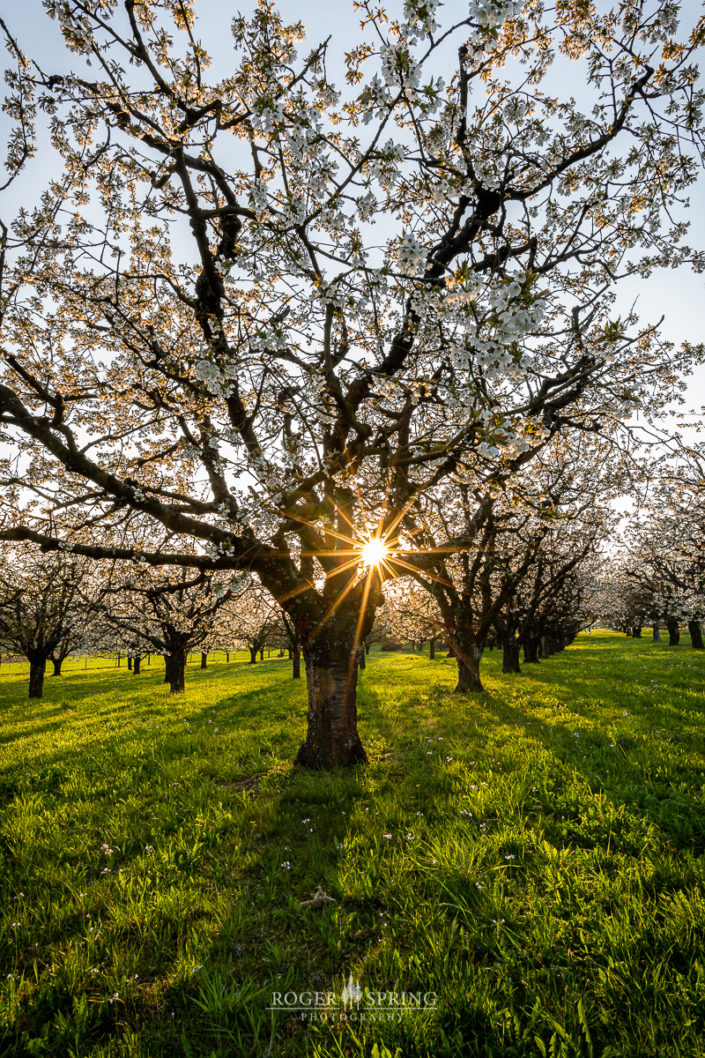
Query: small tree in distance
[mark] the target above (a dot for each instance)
(43, 608)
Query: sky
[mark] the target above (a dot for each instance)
(677, 296)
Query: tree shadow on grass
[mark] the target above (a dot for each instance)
(634, 768)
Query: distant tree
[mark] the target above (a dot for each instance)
(166, 611)
(43, 611)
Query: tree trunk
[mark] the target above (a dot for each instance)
(696, 635)
(468, 658)
(331, 674)
(227, 657)
(204, 659)
(361, 657)
(137, 665)
(636, 631)
(175, 674)
(295, 663)
(261, 654)
(531, 651)
(432, 650)
(57, 663)
(510, 655)
(674, 636)
(655, 633)
(37, 669)
(129, 662)
(253, 655)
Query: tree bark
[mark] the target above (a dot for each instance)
(295, 663)
(432, 650)
(227, 657)
(636, 631)
(696, 635)
(510, 655)
(674, 635)
(175, 674)
(531, 651)
(467, 657)
(137, 664)
(261, 654)
(656, 633)
(253, 655)
(331, 674)
(129, 662)
(204, 659)
(37, 668)
(57, 663)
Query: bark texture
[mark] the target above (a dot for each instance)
(331, 673)
(37, 668)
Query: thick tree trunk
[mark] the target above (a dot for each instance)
(674, 636)
(129, 662)
(295, 663)
(253, 655)
(137, 665)
(57, 663)
(204, 659)
(432, 650)
(510, 655)
(175, 674)
(696, 635)
(655, 633)
(636, 631)
(468, 657)
(331, 674)
(37, 669)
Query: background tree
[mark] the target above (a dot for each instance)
(43, 610)
(168, 611)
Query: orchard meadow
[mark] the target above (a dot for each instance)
(532, 855)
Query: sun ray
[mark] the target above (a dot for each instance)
(358, 628)
(342, 514)
(296, 591)
(352, 583)
(324, 530)
(425, 572)
(341, 569)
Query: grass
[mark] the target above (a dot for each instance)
(533, 855)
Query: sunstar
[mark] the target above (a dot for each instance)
(374, 552)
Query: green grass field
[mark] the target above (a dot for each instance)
(534, 856)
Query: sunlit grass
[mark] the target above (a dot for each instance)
(534, 855)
